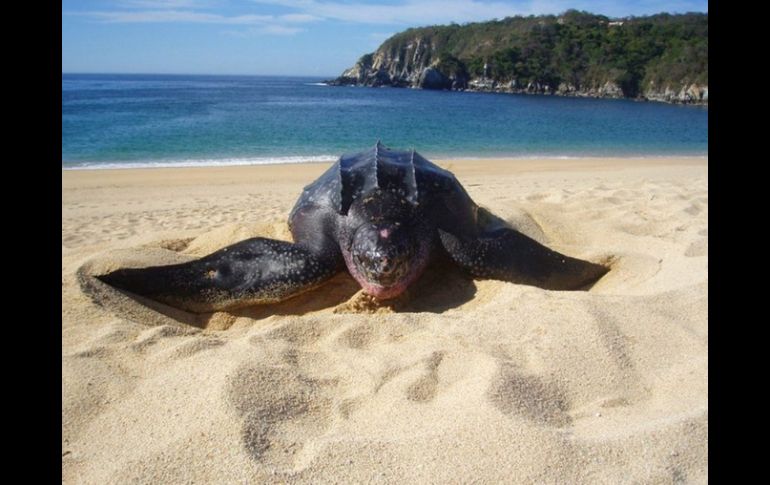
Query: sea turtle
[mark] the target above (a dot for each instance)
(380, 213)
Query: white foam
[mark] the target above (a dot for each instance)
(203, 162)
(226, 162)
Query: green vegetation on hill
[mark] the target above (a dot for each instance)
(575, 50)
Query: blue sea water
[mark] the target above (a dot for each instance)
(168, 120)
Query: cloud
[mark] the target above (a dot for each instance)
(196, 12)
(175, 16)
(273, 29)
(420, 12)
(276, 29)
(426, 12)
(164, 4)
(299, 18)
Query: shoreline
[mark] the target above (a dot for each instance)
(314, 160)
(299, 174)
(657, 97)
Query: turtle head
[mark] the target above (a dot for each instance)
(385, 257)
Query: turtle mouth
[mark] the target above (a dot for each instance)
(380, 276)
(383, 292)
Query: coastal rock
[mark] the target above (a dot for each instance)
(431, 78)
(458, 84)
(688, 94)
(482, 84)
(610, 90)
(378, 79)
(566, 89)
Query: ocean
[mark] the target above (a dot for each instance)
(119, 121)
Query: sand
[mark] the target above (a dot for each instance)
(459, 381)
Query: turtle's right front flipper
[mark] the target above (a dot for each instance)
(253, 271)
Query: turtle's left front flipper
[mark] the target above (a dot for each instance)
(253, 271)
(506, 254)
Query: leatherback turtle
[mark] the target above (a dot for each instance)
(382, 214)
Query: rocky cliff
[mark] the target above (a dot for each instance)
(410, 64)
(660, 58)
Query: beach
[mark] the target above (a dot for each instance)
(457, 381)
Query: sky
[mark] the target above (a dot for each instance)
(319, 38)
